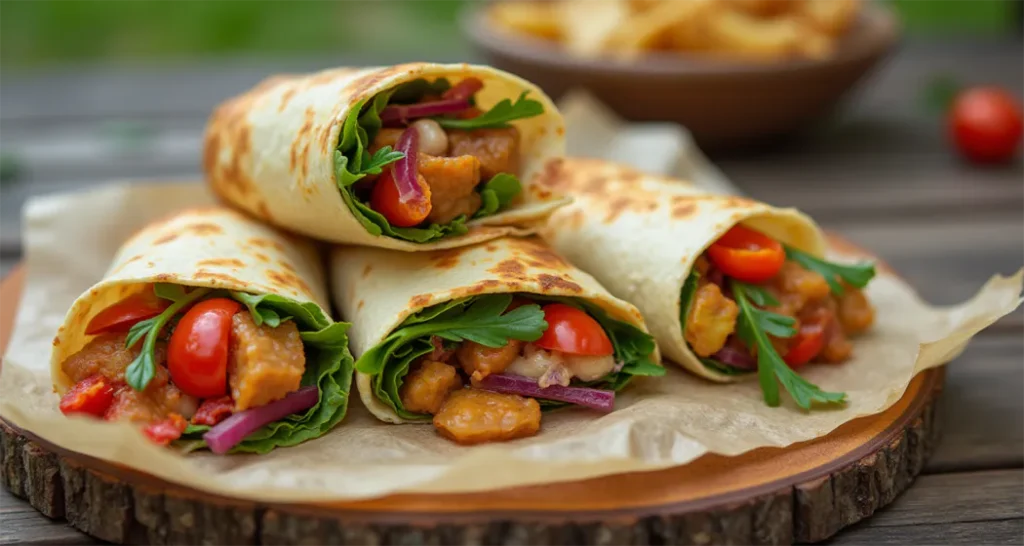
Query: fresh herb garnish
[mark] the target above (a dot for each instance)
(754, 325)
(498, 116)
(382, 158)
(856, 275)
(141, 371)
(498, 194)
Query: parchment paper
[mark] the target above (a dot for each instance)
(657, 423)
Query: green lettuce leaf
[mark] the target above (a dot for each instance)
(480, 319)
(498, 193)
(328, 366)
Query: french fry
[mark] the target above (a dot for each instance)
(587, 24)
(531, 18)
(830, 16)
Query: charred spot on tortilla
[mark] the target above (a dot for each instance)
(221, 262)
(203, 229)
(165, 238)
(446, 259)
(216, 276)
(260, 242)
(509, 270)
(286, 97)
(367, 270)
(419, 301)
(360, 305)
(288, 280)
(537, 255)
(490, 247)
(286, 266)
(164, 277)
(683, 210)
(261, 257)
(552, 282)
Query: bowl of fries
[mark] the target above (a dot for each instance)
(736, 73)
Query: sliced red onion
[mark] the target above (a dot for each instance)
(464, 90)
(397, 114)
(229, 432)
(597, 399)
(405, 169)
(736, 357)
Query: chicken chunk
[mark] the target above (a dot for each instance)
(711, 320)
(479, 361)
(452, 182)
(157, 402)
(385, 137)
(473, 416)
(837, 347)
(425, 388)
(497, 149)
(795, 287)
(106, 355)
(855, 311)
(264, 363)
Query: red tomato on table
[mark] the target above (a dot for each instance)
(197, 354)
(986, 125)
(571, 330)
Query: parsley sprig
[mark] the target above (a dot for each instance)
(498, 116)
(141, 371)
(754, 325)
(856, 275)
(260, 314)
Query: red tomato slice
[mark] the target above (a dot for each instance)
(121, 316)
(385, 200)
(747, 255)
(166, 431)
(464, 89)
(90, 396)
(571, 330)
(807, 344)
(197, 354)
(214, 410)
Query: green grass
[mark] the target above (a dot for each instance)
(46, 31)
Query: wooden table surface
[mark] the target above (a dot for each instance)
(880, 173)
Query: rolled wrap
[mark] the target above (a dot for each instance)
(377, 290)
(640, 234)
(271, 150)
(217, 247)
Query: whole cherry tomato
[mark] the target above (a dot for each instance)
(197, 354)
(986, 125)
(747, 255)
(121, 316)
(806, 345)
(90, 396)
(571, 330)
(385, 200)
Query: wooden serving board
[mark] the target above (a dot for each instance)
(806, 492)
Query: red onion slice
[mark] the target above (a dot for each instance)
(404, 170)
(464, 90)
(597, 399)
(229, 432)
(397, 114)
(736, 357)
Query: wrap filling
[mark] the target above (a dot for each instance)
(483, 368)
(416, 162)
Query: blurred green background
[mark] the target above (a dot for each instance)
(39, 32)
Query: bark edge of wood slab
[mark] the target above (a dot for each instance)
(815, 490)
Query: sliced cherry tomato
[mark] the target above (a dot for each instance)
(747, 255)
(214, 410)
(806, 345)
(166, 431)
(986, 125)
(197, 354)
(121, 316)
(385, 200)
(91, 396)
(571, 330)
(464, 90)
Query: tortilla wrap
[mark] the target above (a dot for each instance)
(650, 230)
(271, 151)
(377, 289)
(208, 247)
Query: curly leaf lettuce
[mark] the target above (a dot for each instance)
(328, 366)
(480, 319)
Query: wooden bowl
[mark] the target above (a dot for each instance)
(725, 104)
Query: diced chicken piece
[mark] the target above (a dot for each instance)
(264, 363)
(425, 388)
(711, 320)
(440, 352)
(452, 182)
(589, 368)
(106, 355)
(837, 346)
(497, 149)
(157, 402)
(795, 287)
(855, 311)
(472, 416)
(385, 137)
(479, 361)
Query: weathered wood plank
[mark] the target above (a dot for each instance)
(1007, 531)
(960, 497)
